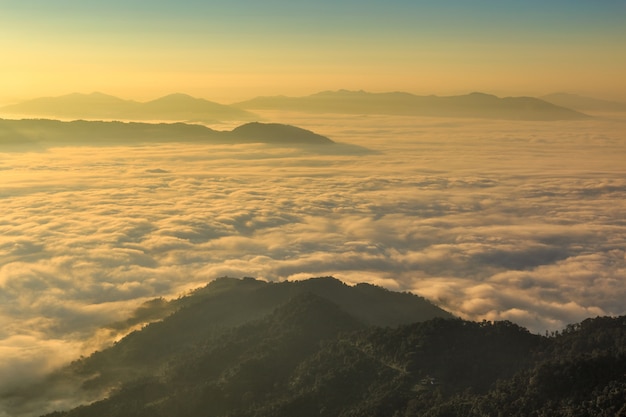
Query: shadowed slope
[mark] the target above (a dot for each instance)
(310, 358)
(283, 320)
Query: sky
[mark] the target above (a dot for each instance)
(235, 50)
(495, 220)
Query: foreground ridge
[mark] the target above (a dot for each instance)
(244, 347)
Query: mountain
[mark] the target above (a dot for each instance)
(227, 303)
(98, 106)
(308, 349)
(475, 105)
(184, 107)
(276, 133)
(94, 105)
(18, 135)
(582, 103)
(225, 330)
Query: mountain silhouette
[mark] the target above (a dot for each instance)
(75, 105)
(98, 106)
(307, 349)
(42, 133)
(184, 107)
(582, 103)
(475, 105)
(276, 133)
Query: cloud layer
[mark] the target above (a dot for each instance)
(490, 220)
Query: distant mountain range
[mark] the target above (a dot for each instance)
(181, 107)
(474, 105)
(577, 102)
(98, 106)
(318, 347)
(19, 135)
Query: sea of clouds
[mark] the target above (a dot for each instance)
(493, 220)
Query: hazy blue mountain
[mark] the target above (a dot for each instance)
(42, 133)
(582, 103)
(475, 105)
(98, 106)
(249, 348)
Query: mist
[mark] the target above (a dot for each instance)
(494, 220)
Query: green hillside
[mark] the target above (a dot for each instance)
(250, 348)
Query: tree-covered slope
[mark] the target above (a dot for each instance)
(294, 351)
(181, 327)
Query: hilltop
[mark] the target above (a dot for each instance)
(33, 134)
(474, 105)
(228, 303)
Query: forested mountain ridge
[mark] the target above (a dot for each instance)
(227, 303)
(191, 323)
(312, 356)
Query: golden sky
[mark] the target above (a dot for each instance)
(229, 51)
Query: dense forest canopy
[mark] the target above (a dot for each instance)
(308, 349)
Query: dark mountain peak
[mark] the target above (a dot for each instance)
(230, 284)
(372, 304)
(311, 312)
(328, 283)
(278, 133)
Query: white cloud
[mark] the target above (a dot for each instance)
(492, 220)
